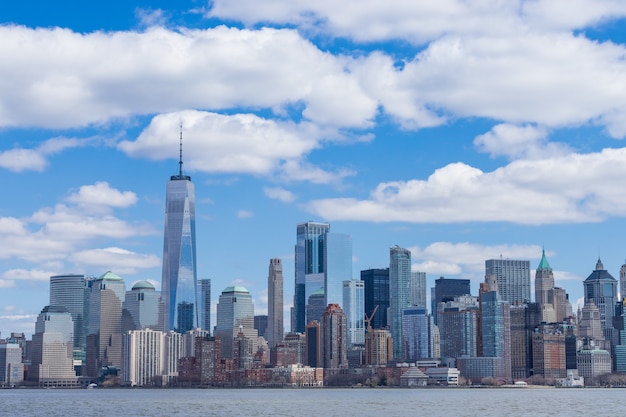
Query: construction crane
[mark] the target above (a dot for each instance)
(368, 320)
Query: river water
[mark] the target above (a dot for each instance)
(321, 402)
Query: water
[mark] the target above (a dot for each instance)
(362, 402)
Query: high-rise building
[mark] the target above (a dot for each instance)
(378, 347)
(72, 292)
(513, 277)
(544, 282)
(11, 366)
(178, 283)
(104, 338)
(309, 268)
(142, 308)
(275, 303)
(235, 312)
(418, 289)
(144, 352)
(399, 293)
(601, 288)
(52, 362)
(549, 351)
(261, 324)
(446, 289)
(323, 260)
(622, 282)
(353, 306)
(524, 319)
(204, 304)
(334, 340)
(458, 324)
(495, 327)
(417, 334)
(376, 293)
(313, 348)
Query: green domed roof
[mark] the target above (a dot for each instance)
(110, 276)
(544, 265)
(143, 285)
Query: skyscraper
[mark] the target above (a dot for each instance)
(235, 312)
(495, 327)
(376, 289)
(399, 293)
(178, 283)
(353, 299)
(544, 282)
(276, 330)
(142, 308)
(418, 289)
(513, 277)
(601, 288)
(446, 289)
(204, 304)
(334, 334)
(72, 292)
(104, 338)
(417, 333)
(323, 262)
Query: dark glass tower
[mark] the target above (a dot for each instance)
(376, 288)
(178, 282)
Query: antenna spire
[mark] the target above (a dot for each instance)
(180, 161)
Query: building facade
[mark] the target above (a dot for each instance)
(179, 279)
(417, 334)
(204, 304)
(144, 357)
(334, 337)
(399, 294)
(376, 294)
(142, 308)
(513, 277)
(235, 312)
(275, 303)
(353, 306)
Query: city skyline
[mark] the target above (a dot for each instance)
(462, 132)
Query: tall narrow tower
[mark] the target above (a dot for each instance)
(275, 302)
(178, 282)
(399, 293)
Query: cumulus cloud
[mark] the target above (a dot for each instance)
(59, 78)
(280, 194)
(115, 259)
(573, 188)
(27, 275)
(20, 159)
(101, 194)
(240, 143)
(519, 142)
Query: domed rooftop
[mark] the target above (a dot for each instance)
(143, 285)
(110, 276)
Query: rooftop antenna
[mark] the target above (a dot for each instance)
(180, 162)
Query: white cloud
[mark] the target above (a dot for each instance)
(572, 188)
(115, 259)
(280, 194)
(519, 142)
(240, 143)
(245, 214)
(101, 194)
(58, 78)
(27, 275)
(20, 159)
(150, 17)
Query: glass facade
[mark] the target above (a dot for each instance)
(179, 281)
(354, 308)
(204, 307)
(376, 294)
(338, 266)
(513, 277)
(399, 293)
(417, 334)
(71, 292)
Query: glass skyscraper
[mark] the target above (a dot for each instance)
(399, 293)
(72, 292)
(178, 282)
(323, 262)
(354, 308)
(376, 294)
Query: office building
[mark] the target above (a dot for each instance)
(417, 334)
(52, 362)
(495, 327)
(235, 312)
(309, 269)
(378, 347)
(544, 282)
(524, 319)
(179, 279)
(334, 337)
(275, 303)
(376, 294)
(313, 348)
(323, 260)
(446, 289)
(11, 366)
(593, 362)
(399, 294)
(204, 304)
(260, 324)
(353, 306)
(513, 277)
(418, 289)
(549, 351)
(458, 326)
(601, 288)
(142, 308)
(72, 292)
(104, 338)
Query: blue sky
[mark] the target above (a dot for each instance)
(463, 131)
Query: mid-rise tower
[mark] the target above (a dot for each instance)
(276, 330)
